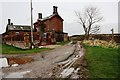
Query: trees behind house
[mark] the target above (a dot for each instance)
(88, 19)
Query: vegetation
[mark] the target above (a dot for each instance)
(102, 62)
(101, 43)
(0, 48)
(88, 19)
(7, 49)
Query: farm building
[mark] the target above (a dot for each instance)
(50, 29)
(46, 31)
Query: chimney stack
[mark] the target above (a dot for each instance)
(55, 9)
(8, 21)
(39, 15)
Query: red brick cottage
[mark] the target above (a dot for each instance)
(16, 35)
(46, 30)
(50, 29)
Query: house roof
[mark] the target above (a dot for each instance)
(18, 27)
(49, 17)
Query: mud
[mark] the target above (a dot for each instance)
(19, 60)
(44, 64)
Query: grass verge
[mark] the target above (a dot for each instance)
(7, 49)
(102, 62)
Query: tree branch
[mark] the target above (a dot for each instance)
(89, 17)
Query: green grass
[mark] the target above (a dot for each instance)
(102, 62)
(0, 48)
(62, 43)
(7, 49)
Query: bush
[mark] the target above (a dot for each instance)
(101, 43)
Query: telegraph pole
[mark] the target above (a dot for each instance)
(32, 43)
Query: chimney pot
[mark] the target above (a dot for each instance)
(55, 9)
(8, 21)
(39, 15)
(11, 23)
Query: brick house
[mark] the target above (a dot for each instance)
(52, 27)
(46, 31)
(16, 34)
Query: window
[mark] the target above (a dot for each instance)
(17, 33)
(21, 27)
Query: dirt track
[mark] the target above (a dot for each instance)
(43, 62)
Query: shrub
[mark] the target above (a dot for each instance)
(101, 43)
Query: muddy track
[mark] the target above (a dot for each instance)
(63, 62)
(73, 67)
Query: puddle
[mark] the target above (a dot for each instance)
(81, 53)
(67, 52)
(17, 74)
(14, 65)
(3, 62)
(67, 72)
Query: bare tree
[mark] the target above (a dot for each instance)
(95, 29)
(88, 18)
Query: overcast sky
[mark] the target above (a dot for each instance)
(19, 13)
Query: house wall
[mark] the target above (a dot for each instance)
(59, 37)
(66, 37)
(55, 24)
(19, 35)
(36, 35)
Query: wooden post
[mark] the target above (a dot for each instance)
(11, 38)
(112, 35)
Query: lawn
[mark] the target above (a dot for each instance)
(102, 62)
(7, 49)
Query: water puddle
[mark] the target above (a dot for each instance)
(17, 74)
(66, 72)
(81, 53)
(3, 62)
